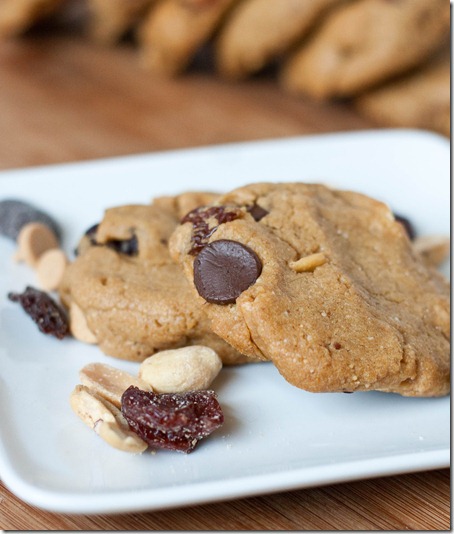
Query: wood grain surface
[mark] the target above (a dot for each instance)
(64, 99)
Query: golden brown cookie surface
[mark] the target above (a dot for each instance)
(135, 299)
(341, 301)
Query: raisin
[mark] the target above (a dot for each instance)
(129, 247)
(171, 420)
(201, 230)
(45, 312)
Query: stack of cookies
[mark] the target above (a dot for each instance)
(325, 284)
(390, 58)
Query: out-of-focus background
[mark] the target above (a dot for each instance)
(81, 79)
(85, 79)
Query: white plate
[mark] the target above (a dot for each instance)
(275, 437)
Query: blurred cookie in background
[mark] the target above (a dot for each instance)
(419, 100)
(109, 20)
(365, 43)
(17, 16)
(259, 31)
(175, 30)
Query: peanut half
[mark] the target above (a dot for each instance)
(106, 420)
(308, 263)
(78, 325)
(50, 269)
(186, 369)
(33, 240)
(109, 382)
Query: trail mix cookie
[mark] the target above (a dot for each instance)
(17, 16)
(324, 283)
(258, 31)
(365, 43)
(419, 100)
(135, 299)
(111, 19)
(174, 31)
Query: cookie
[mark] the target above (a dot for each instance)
(324, 283)
(135, 299)
(17, 16)
(421, 99)
(259, 31)
(111, 19)
(175, 30)
(364, 43)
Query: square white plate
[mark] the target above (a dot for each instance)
(275, 437)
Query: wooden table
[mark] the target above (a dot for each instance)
(63, 99)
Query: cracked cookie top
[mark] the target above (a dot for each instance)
(324, 283)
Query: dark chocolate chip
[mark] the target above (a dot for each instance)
(407, 225)
(129, 247)
(45, 312)
(15, 214)
(224, 269)
(91, 233)
(257, 212)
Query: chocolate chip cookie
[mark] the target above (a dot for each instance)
(135, 299)
(174, 31)
(259, 31)
(324, 283)
(365, 43)
(421, 99)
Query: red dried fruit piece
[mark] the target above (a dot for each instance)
(199, 219)
(170, 420)
(45, 312)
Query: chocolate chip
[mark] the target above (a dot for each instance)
(91, 233)
(257, 212)
(224, 269)
(129, 247)
(407, 225)
(15, 214)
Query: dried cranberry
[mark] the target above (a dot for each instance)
(201, 229)
(170, 420)
(45, 312)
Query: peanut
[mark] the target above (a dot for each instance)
(180, 370)
(78, 325)
(50, 268)
(109, 382)
(308, 263)
(105, 419)
(33, 240)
